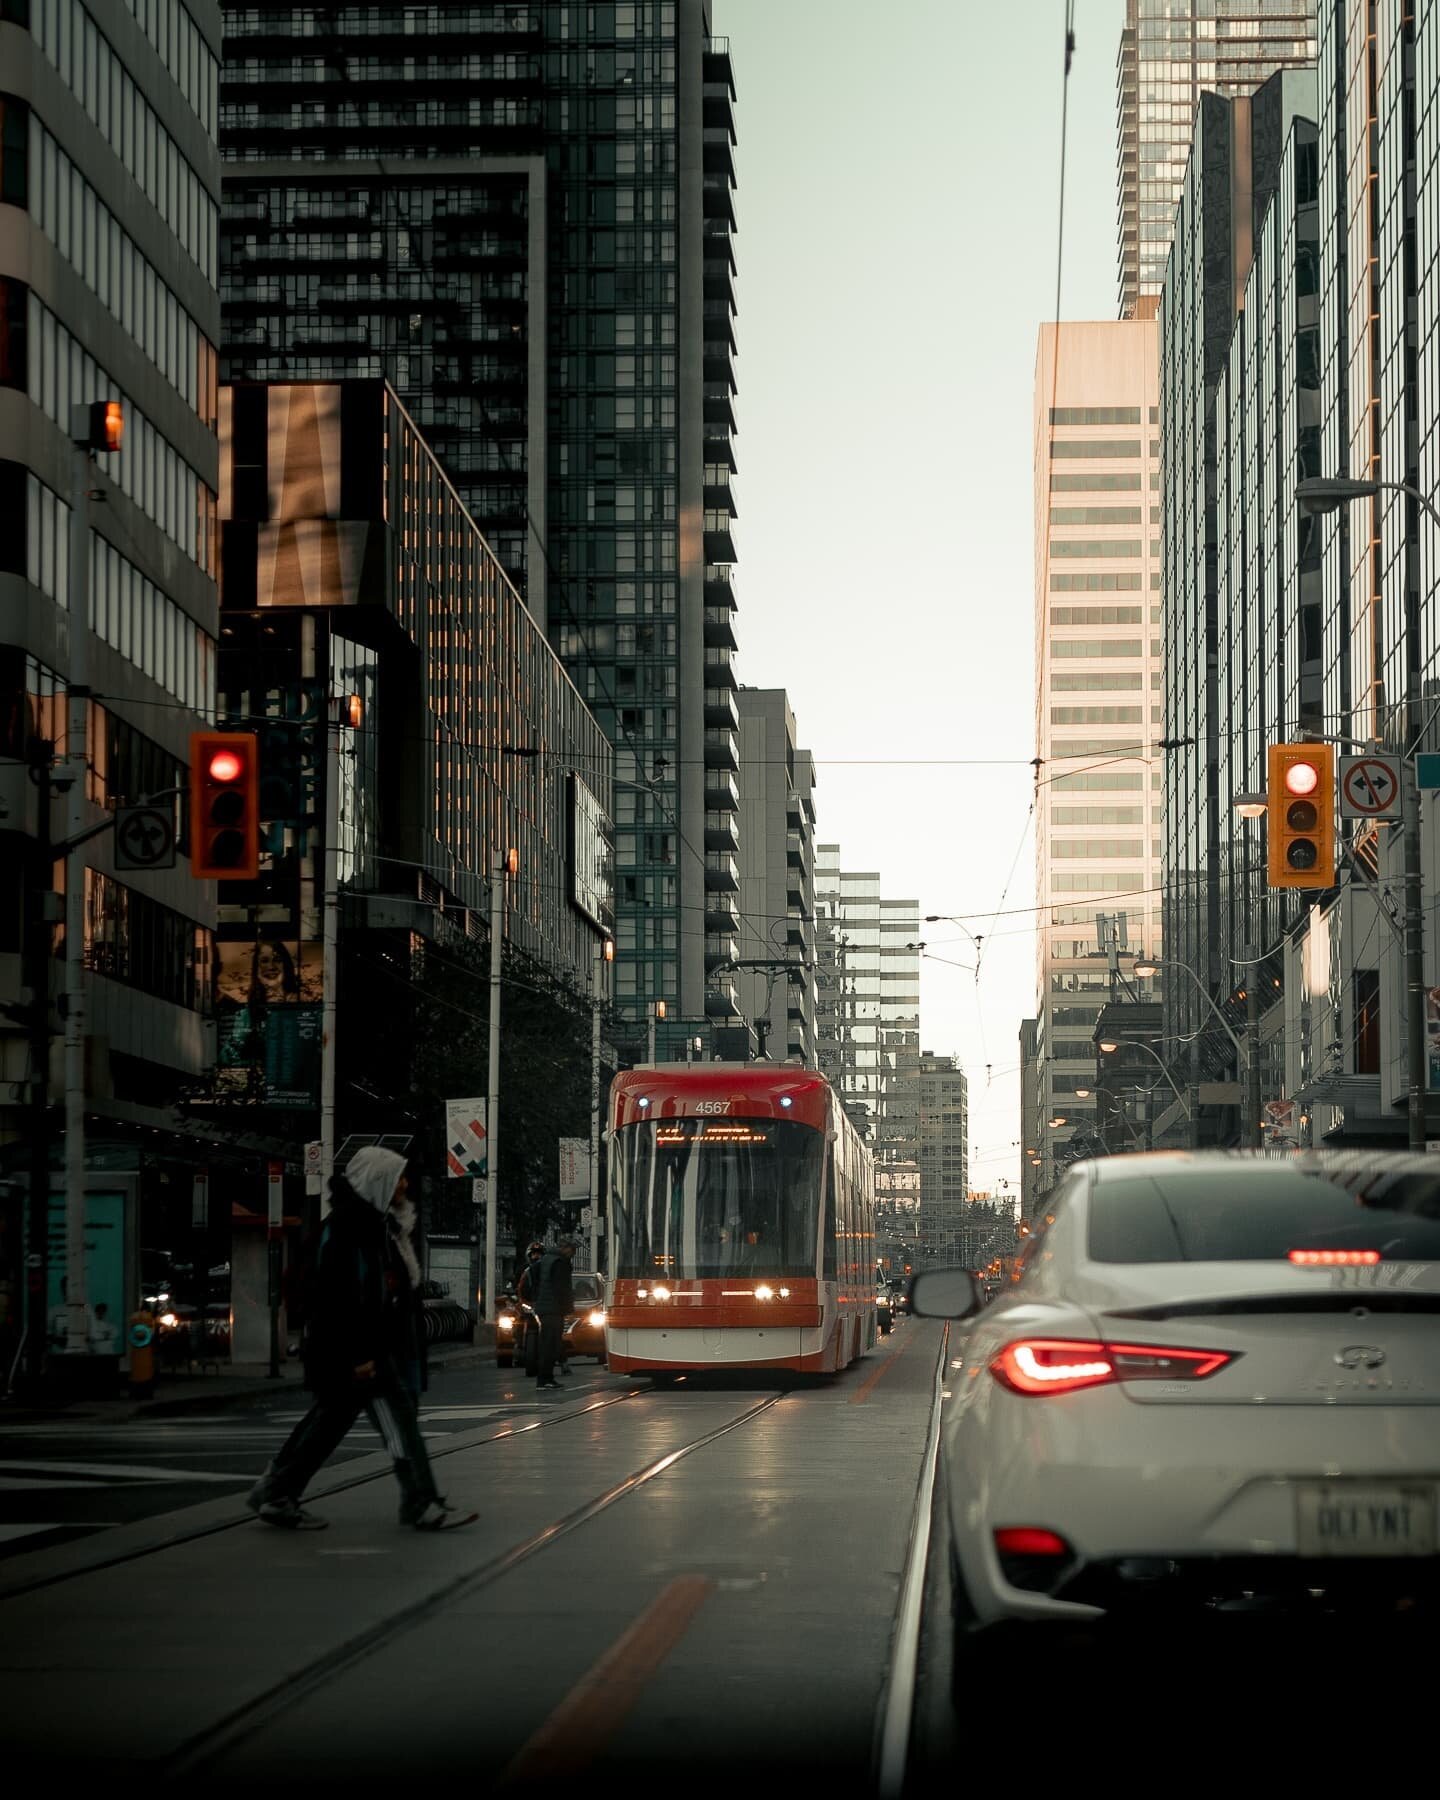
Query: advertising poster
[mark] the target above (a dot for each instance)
(104, 1271)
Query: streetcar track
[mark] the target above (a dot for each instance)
(339, 1485)
(205, 1747)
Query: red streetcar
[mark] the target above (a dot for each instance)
(742, 1221)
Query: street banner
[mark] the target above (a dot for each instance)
(574, 1169)
(1432, 1037)
(464, 1138)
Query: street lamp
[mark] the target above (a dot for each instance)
(1110, 1045)
(1325, 494)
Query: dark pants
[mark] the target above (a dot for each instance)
(552, 1327)
(391, 1407)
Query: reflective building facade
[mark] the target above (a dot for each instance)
(521, 216)
(1170, 52)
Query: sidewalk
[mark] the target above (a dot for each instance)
(238, 1384)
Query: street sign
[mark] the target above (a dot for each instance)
(1427, 770)
(1369, 787)
(275, 1197)
(144, 837)
(574, 1169)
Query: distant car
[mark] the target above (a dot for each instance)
(883, 1316)
(585, 1328)
(1214, 1386)
(899, 1300)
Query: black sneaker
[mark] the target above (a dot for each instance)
(289, 1515)
(547, 1384)
(438, 1516)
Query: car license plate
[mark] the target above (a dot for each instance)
(1348, 1519)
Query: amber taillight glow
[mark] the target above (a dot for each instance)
(1064, 1365)
(1335, 1259)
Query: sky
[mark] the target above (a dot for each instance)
(898, 201)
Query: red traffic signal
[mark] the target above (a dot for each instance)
(1300, 800)
(224, 806)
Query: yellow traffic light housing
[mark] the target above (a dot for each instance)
(1300, 804)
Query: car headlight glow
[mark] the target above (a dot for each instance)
(597, 1318)
(169, 1320)
(505, 1322)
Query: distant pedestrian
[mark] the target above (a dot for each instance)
(530, 1330)
(362, 1349)
(554, 1300)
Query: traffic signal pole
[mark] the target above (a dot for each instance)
(330, 942)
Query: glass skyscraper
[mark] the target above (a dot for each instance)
(520, 215)
(1171, 52)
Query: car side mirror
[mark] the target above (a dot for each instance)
(945, 1294)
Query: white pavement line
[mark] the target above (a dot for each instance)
(8, 1533)
(898, 1706)
(47, 1484)
(127, 1471)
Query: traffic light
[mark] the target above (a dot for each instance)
(1300, 804)
(100, 425)
(224, 805)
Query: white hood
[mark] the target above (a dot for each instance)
(375, 1174)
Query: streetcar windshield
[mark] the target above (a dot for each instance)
(715, 1197)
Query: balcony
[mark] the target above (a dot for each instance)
(721, 710)
(720, 404)
(722, 872)
(721, 916)
(722, 791)
(719, 628)
(719, 113)
(719, 154)
(719, 670)
(719, 449)
(796, 924)
(718, 282)
(720, 947)
(716, 69)
(717, 245)
(718, 199)
(721, 752)
(722, 831)
(719, 588)
(719, 544)
(795, 850)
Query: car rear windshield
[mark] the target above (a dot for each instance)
(1234, 1214)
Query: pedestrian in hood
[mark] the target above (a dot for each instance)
(362, 1349)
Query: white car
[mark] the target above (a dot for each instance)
(1215, 1384)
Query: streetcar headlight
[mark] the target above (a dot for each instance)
(764, 1293)
(660, 1292)
(597, 1318)
(784, 1293)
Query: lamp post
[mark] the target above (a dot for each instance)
(1110, 1045)
(1151, 965)
(1325, 494)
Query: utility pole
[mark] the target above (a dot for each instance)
(330, 946)
(604, 951)
(38, 924)
(500, 868)
(1416, 1057)
(1254, 1129)
(77, 707)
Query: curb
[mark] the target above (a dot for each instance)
(456, 1356)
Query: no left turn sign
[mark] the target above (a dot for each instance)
(1369, 787)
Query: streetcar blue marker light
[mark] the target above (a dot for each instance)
(785, 1100)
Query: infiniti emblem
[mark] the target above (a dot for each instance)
(1360, 1356)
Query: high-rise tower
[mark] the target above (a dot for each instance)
(521, 216)
(1169, 55)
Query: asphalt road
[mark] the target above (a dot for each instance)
(690, 1581)
(60, 1481)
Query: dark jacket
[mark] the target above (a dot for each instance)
(550, 1289)
(361, 1304)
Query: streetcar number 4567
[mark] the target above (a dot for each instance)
(712, 1106)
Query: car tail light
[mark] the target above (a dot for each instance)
(1064, 1365)
(1335, 1259)
(1029, 1540)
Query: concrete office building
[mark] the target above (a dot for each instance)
(777, 875)
(1098, 694)
(869, 1023)
(109, 200)
(943, 1153)
(521, 216)
(1169, 54)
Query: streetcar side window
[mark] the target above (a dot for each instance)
(831, 1176)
